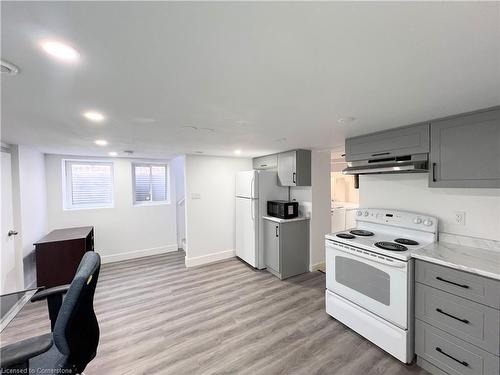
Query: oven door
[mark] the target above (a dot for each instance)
(377, 283)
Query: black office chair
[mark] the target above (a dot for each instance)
(73, 342)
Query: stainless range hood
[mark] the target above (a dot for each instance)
(417, 163)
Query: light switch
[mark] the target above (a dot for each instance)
(195, 196)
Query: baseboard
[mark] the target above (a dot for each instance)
(317, 266)
(209, 258)
(138, 253)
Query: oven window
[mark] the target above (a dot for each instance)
(364, 279)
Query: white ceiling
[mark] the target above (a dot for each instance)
(255, 73)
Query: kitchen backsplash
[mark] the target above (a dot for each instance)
(470, 241)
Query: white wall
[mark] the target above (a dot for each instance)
(210, 232)
(30, 205)
(410, 192)
(179, 175)
(321, 197)
(124, 231)
(318, 195)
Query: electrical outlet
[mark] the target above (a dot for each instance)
(195, 196)
(460, 217)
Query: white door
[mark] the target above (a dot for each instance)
(247, 230)
(10, 273)
(247, 184)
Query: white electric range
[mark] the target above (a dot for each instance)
(369, 276)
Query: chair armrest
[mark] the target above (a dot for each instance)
(20, 352)
(45, 293)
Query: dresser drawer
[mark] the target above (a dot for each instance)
(460, 283)
(452, 355)
(471, 321)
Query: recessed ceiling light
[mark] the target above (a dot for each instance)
(60, 50)
(237, 152)
(93, 116)
(101, 142)
(113, 153)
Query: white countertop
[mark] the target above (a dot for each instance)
(278, 220)
(470, 259)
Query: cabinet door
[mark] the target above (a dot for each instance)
(403, 141)
(294, 242)
(465, 151)
(271, 245)
(286, 168)
(302, 168)
(265, 162)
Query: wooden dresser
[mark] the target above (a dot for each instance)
(58, 254)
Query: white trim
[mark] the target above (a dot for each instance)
(67, 185)
(209, 258)
(138, 253)
(167, 184)
(317, 266)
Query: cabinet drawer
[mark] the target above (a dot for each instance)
(471, 321)
(451, 354)
(460, 283)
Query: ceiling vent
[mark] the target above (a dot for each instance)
(8, 68)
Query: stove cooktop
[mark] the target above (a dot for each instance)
(390, 244)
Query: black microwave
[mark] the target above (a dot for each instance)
(283, 209)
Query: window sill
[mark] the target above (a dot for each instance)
(146, 204)
(86, 208)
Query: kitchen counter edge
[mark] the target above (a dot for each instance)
(463, 258)
(278, 220)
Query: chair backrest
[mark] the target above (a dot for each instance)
(76, 332)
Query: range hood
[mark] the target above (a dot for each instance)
(417, 163)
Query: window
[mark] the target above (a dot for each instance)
(89, 184)
(150, 183)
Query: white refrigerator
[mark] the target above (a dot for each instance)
(253, 190)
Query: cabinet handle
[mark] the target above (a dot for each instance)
(434, 172)
(294, 178)
(451, 282)
(381, 153)
(277, 231)
(263, 165)
(451, 316)
(463, 363)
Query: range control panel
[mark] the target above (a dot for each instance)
(404, 219)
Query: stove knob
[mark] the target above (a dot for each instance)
(359, 213)
(417, 220)
(428, 222)
(365, 213)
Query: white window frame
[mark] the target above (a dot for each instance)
(167, 183)
(67, 192)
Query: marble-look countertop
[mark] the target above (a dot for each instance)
(278, 220)
(470, 259)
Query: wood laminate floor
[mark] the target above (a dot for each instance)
(157, 317)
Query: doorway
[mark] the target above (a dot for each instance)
(344, 196)
(11, 269)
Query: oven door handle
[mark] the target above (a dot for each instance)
(374, 258)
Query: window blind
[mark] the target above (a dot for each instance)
(89, 184)
(150, 183)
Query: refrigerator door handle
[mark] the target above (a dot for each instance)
(251, 187)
